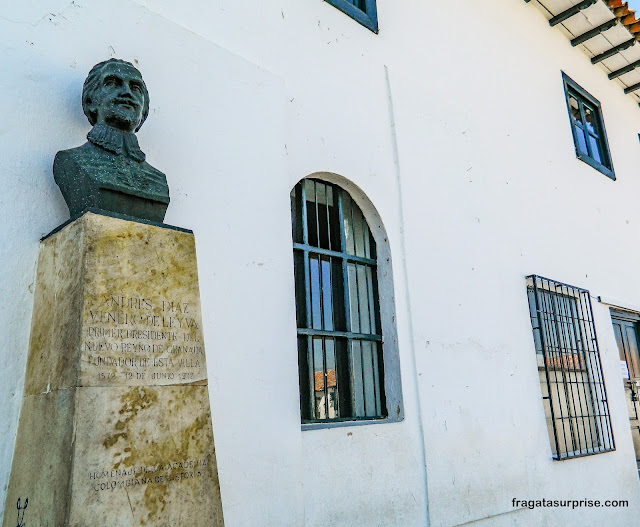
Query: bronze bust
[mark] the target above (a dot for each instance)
(109, 172)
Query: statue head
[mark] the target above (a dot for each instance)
(115, 94)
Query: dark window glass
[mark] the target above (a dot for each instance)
(587, 127)
(339, 334)
(573, 390)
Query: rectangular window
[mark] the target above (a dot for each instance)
(363, 11)
(573, 390)
(587, 127)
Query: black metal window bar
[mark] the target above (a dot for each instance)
(338, 317)
(573, 389)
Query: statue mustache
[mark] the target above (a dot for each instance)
(126, 100)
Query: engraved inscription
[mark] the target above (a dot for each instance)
(142, 340)
(161, 473)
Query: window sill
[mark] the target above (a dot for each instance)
(599, 167)
(583, 453)
(340, 424)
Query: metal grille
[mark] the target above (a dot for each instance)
(573, 390)
(339, 335)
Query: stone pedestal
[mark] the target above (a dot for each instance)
(115, 427)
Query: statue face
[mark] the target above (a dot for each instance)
(118, 100)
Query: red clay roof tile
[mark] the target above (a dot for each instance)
(626, 16)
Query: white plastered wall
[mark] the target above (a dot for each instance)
(233, 139)
(249, 97)
(493, 192)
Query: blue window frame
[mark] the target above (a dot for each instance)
(587, 127)
(363, 11)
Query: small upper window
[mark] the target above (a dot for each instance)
(587, 127)
(363, 11)
(341, 360)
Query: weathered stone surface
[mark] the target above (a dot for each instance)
(56, 325)
(148, 458)
(115, 428)
(43, 456)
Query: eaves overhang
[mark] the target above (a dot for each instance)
(607, 31)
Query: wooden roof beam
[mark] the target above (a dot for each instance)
(561, 17)
(594, 32)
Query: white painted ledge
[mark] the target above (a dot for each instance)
(619, 304)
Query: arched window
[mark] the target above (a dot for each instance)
(339, 329)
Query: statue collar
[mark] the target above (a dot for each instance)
(116, 141)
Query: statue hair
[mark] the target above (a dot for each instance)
(91, 85)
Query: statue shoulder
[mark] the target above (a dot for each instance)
(154, 183)
(154, 171)
(71, 157)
